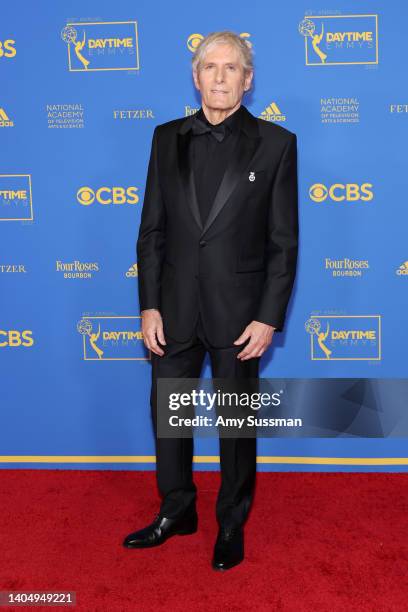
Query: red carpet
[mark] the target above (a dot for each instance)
(314, 542)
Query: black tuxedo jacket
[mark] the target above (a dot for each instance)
(241, 265)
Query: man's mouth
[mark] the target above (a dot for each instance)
(219, 91)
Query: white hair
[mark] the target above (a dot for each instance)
(224, 37)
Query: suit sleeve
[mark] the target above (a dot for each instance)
(150, 242)
(282, 240)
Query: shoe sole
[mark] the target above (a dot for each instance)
(181, 533)
(226, 567)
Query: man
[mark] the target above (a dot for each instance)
(217, 252)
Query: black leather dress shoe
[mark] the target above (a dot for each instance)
(160, 530)
(229, 548)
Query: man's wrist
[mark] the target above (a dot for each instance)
(267, 323)
(149, 310)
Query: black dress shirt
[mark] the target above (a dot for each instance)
(210, 157)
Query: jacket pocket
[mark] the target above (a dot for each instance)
(250, 278)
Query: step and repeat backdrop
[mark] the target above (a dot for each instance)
(83, 84)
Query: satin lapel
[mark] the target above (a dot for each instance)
(187, 176)
(242, 156)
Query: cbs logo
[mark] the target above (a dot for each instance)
(349, 192)
(7, 48)
(194, 40)
(13, 337)
(107, 195)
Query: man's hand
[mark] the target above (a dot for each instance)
(152, 329)
(261, 336)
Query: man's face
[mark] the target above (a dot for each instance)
(221, 79)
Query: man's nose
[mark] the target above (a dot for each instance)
(219, 76)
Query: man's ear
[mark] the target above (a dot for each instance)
(248, 80)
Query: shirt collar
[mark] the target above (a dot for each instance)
(232, 122)
(248, 123)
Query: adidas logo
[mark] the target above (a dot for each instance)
(272, 113)
(132, 272)
(4, 119)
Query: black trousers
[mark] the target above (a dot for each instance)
(174, 455)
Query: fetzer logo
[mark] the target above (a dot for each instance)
(344, 337)
(332, 40)
(102, 45)
(112, 338)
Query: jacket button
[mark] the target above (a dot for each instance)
(202, 243)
